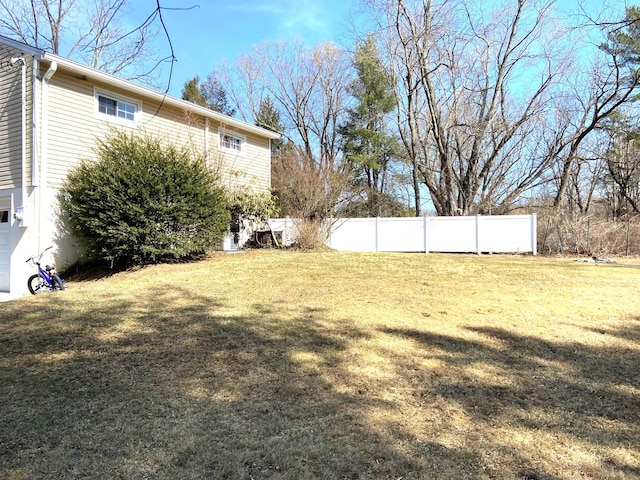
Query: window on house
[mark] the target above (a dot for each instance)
(4, 216)
(116, 108)
(232, 143)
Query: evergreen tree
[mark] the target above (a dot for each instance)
(367, 144)
(192, 93)
(142, 201)
(268, 117)
(216, 96)
(626, 41)
(210, 94)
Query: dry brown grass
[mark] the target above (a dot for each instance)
(328, 366)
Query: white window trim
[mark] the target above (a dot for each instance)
(243, 142)
(114, 118)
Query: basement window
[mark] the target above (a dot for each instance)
(4, 216)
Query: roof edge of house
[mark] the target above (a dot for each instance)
(36, 52)
(112, 80)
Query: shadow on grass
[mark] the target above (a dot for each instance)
(630, 332)
(565, 390)
(160, 388)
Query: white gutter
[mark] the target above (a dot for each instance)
(44, 131)
(44, 125)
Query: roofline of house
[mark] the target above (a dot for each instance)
(112, 80)
(36, 52)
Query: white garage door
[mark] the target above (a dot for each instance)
(5, 243)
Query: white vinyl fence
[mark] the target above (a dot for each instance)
(473, 234)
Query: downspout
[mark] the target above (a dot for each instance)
(35, 178)
(44, 99)
(20, 211)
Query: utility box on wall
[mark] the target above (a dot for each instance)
(21, 216)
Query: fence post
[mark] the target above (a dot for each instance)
(534, 233)
(377, 221)
(285, 234)
(424, 226)
(478, 251)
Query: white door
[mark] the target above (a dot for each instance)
(5, 242)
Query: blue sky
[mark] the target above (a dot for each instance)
(215, 30)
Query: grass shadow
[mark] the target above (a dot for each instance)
(563, 389)
(163, 388)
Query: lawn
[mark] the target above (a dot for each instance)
(292, 365)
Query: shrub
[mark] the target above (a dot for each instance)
(250, 210)
(311, 235)
(595, 235)
(143, 202)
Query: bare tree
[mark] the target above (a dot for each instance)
(611, 85)
(308, 86)
(91, 31)
(472, 85)
(623, 168)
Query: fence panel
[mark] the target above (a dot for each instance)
(515, 236)
(401, 234)
(452, 234)
(286, 228)
(353, 235)
(477, 234)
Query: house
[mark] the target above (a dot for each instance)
(53, 109)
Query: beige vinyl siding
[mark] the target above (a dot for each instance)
(251, 169)
(175, 126)
(73, 129)
(259, 160)
(71, 126)
(11, 117)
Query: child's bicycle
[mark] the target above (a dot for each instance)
(46, 279)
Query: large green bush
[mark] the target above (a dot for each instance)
(143, 202)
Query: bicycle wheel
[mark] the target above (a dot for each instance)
(37, 284)
(58, 284)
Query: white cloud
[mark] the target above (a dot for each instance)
(291, 17)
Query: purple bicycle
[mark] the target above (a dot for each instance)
(46, 279)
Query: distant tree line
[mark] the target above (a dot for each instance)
(458, 107)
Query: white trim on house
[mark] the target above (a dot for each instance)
(36, 52)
